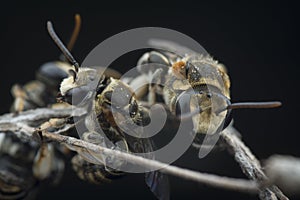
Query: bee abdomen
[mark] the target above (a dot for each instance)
(16, 180)
(96, 174)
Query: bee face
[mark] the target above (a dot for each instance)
(76, 87)
(209, 119)
(207, 85)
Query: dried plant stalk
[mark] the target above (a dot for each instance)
(249, 164)
(21, 125)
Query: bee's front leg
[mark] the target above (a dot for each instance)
(93, 173)
(152, 57)
(154, 87)
(151, 66)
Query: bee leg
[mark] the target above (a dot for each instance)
(108, 72)
(46, 163)
(152, 64)
(89, 156)
(96, 138)
(147, 65)
(20, 98)
(112, 161)
(152, 57)
(154, 85)
(53, 123)
(140, 86)
(42, 164)
(96, 174)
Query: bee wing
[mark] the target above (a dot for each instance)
(175, 48)
(108, 72)
(158, 184)
(156, 181)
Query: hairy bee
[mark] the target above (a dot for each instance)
(86, 88)
(202, 81)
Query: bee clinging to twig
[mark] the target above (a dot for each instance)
(202, 81)
(86, 88)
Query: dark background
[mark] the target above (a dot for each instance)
(259, 43)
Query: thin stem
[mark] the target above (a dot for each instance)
(204, 178)
(249, 164)
(24, 126)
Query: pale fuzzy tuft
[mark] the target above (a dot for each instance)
(66, 84)
(84, 76)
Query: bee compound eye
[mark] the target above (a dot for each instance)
(209, 95)
(52, 70)
(75, 96)
(133, 109)
(108, 95)
(121, 97)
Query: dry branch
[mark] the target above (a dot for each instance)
(20, 124)
(249, 164)
(284, 171)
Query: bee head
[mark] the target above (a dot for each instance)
(209, 109)
(78, 86)
(202, 104)
(52, 73)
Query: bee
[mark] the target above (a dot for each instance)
(24, 166)
(85, 88)
(200, 80)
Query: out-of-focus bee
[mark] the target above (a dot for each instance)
(27, 163)
(86, 88)
(24, 165)
(202, 81)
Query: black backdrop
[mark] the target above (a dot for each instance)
(257, 42)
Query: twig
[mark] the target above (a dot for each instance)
(284, 171)
(204, 178)
(18, 123)
(41, 114)
(249, 164)
(22, 124)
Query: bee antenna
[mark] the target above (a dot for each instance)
(73, 37)
(61, 46)
(271, 104)
(73, 74)
(75, 32)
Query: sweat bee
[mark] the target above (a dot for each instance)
(202, 81)
(85, 88)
